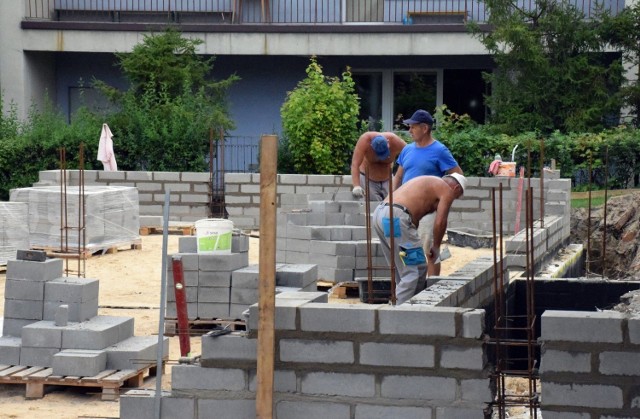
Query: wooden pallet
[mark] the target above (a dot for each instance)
(348, 289)
(55, 252)
(110, 381)
(198, 327)
(185, 230)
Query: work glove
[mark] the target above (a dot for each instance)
(357, 192)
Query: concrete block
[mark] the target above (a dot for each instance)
(239, 243)
(418, 387)
(296, 275)
(37, 357)
(308, 296)
(213, 295)
(10, 350)
(473, 324)
(446, 412)
(135, 352)
(579, 395)
(226, 408)
(620, 363)
(370, 411)
(192, 310)
(476, 391)
(79, 362)
(318, 317)
(61, 316)
(228, 262)
(246, 277)
(187, 244)
(42, 334)
(283, 381)
(565, 361)
(634, 330)
(227, 347)
(24, 289)
(13, 327)
(244, 296)
(338, 384)
(191, 294)
(397, 355)
(140, 404)
(324, 352)
(212, 310)
(71, 290)
(455, 357)
(23, 309)
(236, 311)
(97, 333)
(35, 271)
(191, 278)
(550, 414)
(191, 377)
(580, 326)
(311, 410)
(77, 312)
(417, 320)
(215, 279)
(285, 314)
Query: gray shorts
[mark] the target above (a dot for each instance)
(377, 190)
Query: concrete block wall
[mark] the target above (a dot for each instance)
(344, 361)
(590, 364)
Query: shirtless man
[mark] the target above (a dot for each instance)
(377, 150)
(411, 202)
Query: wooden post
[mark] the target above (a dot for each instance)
(267, 276)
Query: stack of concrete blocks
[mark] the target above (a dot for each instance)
(328, 229)
(14, 229)
(590, 364)
(111, 216)
(339, 361)
(223, 286)
(52, 321)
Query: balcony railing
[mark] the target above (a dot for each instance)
(296, 12)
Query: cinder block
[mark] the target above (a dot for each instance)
(297, 275)
(215, 278)
(23, 309)
(418, 387)
(213, 310)
(77, 312)
(311, 410)
(326, 352)
(473, 324)
(286, 312)
(476, 391)
(192, 310)
(236, 310)
(214, 295)
(634, 330)
(24, 289)
(140, 404)
(10, 350)
(245, 277)
(338, 384)
(228, 262)
(446, 412)
(37, 357)
(283, 381)
(191, 278)
(318, 317)
(135, 352)
(79, 362)
(561, 361)
(417, 320)
(42, 334)
(191, 377)
(97, 333)
(597, 396)
(35, 271)
(227, 347)
(239, 243)
(13, 327)
(188, 244)
(620, 363)
(244, 296)
(71, 290)
(397, 355)
(580, 326)
(191, 294)
(453, 357)
(370, 411)
(308, 296)
(226, 408)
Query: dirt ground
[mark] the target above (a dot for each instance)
(130, 286)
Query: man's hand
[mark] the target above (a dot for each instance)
(434, 254)
(357, 192)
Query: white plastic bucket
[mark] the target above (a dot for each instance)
(214, 235)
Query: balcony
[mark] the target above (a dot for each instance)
(211, 15)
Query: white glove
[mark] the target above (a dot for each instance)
(357, 192)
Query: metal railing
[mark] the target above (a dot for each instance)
(296, 12)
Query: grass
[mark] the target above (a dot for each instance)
(581, 199)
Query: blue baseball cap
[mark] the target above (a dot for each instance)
(381, 147)
(419, 117)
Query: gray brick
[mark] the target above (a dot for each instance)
(191, 377)
(417, 320)
(37, 357)
(598, 396)
(285, 314)
(579, 326)
(233, 346)
(397, 355)
(460, 412)
(23, 309)
(565, 361)
(139, 404)
(24, 289)
(42, 334)
(10, 350)
(418, 387)
(549, 414)
(327, 352)
(244, 296)
(476, 391)
(462, 358)
(97, 333)
(189, 261)
(620, 363)
(473, 324)
(634, 330)
(79, 362)
(213, 295)
(236, 310)
(369, 411)
(212, 310)
(338, 384)
(71, 290)
(188, 244)
(13, 327)
(308, 296)
(311, 410)
(226, 408)
(215, 279)
(191, 279)
(191, 294)
(283, 381)
(135, 352)
(35, 271)
(228, 262)
(77, 312)
(318, 317)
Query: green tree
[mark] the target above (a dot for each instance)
(163, 120)
(552, 71)
(320, 121)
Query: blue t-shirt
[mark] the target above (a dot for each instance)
(433, 160)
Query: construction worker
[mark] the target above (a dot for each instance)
(411, 202)
(377, 151)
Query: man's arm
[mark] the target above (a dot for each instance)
(442, 214)
(397, 178)
(456, 169)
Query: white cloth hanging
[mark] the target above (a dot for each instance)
(105, 150)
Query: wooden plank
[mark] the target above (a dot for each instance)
(99, 376)
(11, 370)
(119, 376)
(22, 374)
(40, 375)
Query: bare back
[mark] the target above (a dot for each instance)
(422, 195)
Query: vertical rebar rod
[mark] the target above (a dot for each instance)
(604, 228)
(589, 222)
(542, 182)
(392, 241)
(367, 220)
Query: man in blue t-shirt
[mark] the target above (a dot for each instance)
(425, 156)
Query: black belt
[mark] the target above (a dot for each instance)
(401, 207)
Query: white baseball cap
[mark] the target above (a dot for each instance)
(460, 179)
